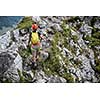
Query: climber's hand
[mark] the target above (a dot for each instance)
(42, 37)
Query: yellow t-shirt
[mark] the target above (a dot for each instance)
(35, 38)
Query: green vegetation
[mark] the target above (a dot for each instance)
(96, 35)
(57, 62)
(25, 23)
(24, 53)
(77, 62)
(75, 38)
(68, 77)
(97, 68)
(25, 77)
(93, 40)
(66, 36)
(5, 80)
(74, 19)
(97, 61)
(52, 64)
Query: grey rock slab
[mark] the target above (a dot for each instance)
(11, 61)
(5, 41)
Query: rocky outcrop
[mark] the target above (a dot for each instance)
(10, 59)
(10, 62)
(85, 71)
(66, 56)
(41, 77)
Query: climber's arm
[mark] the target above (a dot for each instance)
(42, 36)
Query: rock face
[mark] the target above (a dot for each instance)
(10, 59)
(65, 40)
(9, 63)
(5, 41)
(40, 77)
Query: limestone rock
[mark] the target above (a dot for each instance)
(10, 62)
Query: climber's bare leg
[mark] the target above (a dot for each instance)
(34, 56)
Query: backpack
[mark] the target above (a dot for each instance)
(35, 38)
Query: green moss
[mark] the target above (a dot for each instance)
(25, 23)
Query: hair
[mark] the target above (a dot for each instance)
(33, 30)
(34, 23)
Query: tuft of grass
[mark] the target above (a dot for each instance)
(25, 23)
